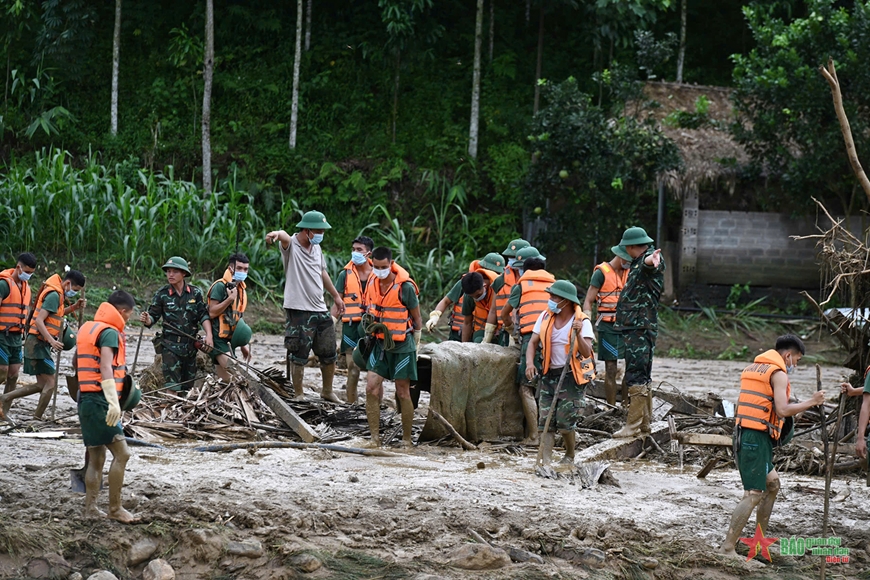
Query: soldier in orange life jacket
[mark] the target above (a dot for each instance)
(101, 370)
(553, 331)
(607, 282)
(351, 284)
(14, 305)
(760, 425)
(45, 337)
(505, 282)
(393, 303)
(480, 289)
(227, 301)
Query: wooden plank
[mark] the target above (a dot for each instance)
(284, 412)
(250, 414)
(622, 448)
(708, 468)
(704, 439)
(41, 435)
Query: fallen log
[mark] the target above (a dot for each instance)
(284, 412)
(453, 432)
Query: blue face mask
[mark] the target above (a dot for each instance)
(358, 258)
(511, 262)
(240, 276)
(316, 239)
(553, 306)
(70, 293)
(482, 296)
(24, 276)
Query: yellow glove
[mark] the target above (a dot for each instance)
(113, 415)
(509, 327)
(489, 332)
(511, 342)
(434, 317)
(418, 337)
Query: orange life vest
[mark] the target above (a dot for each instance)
(510, 278)
(387, 308)
(54, 321)
(608, 294)
(481, 307)
(13, 309)
(583, 369)
(229, 318)
(457, 319)
(88, 353)
(533, 300)
(755, 405)
(353, 295)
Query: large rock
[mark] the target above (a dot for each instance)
(48, 566)
(246, 549)
(306, 563)
(479, 557)
(474, 387)
(158, 569)
(141, 551)
(102, 575)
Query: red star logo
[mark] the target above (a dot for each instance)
(758, 543)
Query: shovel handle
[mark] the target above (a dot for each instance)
(556, 396)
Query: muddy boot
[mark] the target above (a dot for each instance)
(530, 412)
(647, 414)
(298, 372)
(636, 413)
(570, 440)
(352, 380)
(624, 393)
(328, 373)
(548, 440)
(407, 421)
(11, 382)
(373, 414)
(610, 381)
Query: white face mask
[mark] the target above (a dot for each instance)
(24, 276)
(358, 258)
(482, 296)
(381, 273)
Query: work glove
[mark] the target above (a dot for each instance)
(334, 319)
(418, 336)
(113, 415)
(511, 341)
(509, 327)
(489, 332)
(434, 317)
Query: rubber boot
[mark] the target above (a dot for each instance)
(569, 438)
(624, 392)
(636, 413)
(530, 412)
(407, 406)
(298, 373)
(610, 381)
(373, 414)
(548, 440)
(352, 380)
(11, 383)
(647, 414)
(327, 372)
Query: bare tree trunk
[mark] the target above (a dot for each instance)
(116, 64)
(528, 11)
(308, 26)
(207, 75)
(681, 56)
(540, 61)
(396, 92)
(475, 88)
(491, 27)
(294, 107)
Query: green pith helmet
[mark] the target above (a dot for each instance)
(358, 359)
(620, 252)
(514, 247)
(131, 394)
(492, 261)
(529, 252)
(69, 339)
(564, 289)
(241, 334)
(635, 237)
(314, 220)
(178, 263)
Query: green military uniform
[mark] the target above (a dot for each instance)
(572, 400)
(221, 345)
(351, 332)
(610, 343)
(185, 311)
(38, 356)
(468, 304)
(10, 342)
(401, 361)
(93, 406)
(454, 295)
(637, 317)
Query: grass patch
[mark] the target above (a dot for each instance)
(16, 539)
(352, 565)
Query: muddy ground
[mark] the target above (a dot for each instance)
(398, 517)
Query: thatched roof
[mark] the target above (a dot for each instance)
(709, 154)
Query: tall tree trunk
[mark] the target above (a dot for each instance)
(491, 27)
(528, 11)
(116, 64)
(308, 26)
(475, 88)
(396, 92)
(207, 75)
(540, 61)
(681, 56)
(294, 107)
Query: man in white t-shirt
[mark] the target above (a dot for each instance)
(553, 329)
(308, 323)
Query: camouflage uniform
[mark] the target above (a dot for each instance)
(569, 408)
(185, 312)
(637, 318)
(305, 331)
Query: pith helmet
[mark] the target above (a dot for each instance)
(564, 289)
(358, 358)
(493, 261)
(131, 394)
(314, 220)
(620, 252)
(69, 339)
(635, 237)
(514, 247)
(178, 263)
(529, 252)
(241, 334)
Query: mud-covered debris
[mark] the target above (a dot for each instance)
(587, 474)
(306, 563)
(102, 575)
(158, 569)
(141, 551)
(48, 566)
(246, 549)
(479, 557)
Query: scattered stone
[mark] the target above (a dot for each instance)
(158, 569)
(592, 557)
(387, 503)
(650, 563)
(102, 575)
(518, 555)
(74, 576)
(198, 537)
(479, 557)
(246, 549)
(141, 551)
(48, 566)
(306, 563)
(481, 465)
(353, 479)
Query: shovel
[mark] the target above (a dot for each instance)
(77, 477)
(539, 463)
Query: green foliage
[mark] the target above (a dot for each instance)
(696, 119)
(737, 290)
